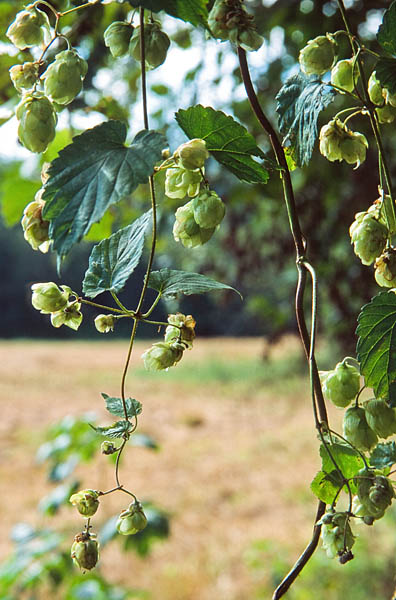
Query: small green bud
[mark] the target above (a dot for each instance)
(48, 298)
(107, 447)
(209, 209)
(380, 417)
(180, 182)
(342, 385)
(368, 237)
(181, 329)
(30, 28)
(156, 44)
(192, 154)
(342, 75)
(104, 323)
(86, 502)
(385, 268)
(357, 430)
(117, 37)
(186, 229)
(318, 55)
(85, 551)
(24, 76)
(37, 121)
(70, 316)
(35, 228)
(63, 78)
(336, 533)
(162, 355)
(131, 520)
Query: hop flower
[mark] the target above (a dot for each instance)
(30, 28)
(374, 89)
(37, 121)
(217, 19)
(341, 385)
(342, 75)
(85, 551)
(374, 492)
(70, 316)
(162, 355)
(379, 95)
(181, 329)
(368, 237)
(156, 44)
(35, 228)
(229, 20)
(337, 142)
(209, 209)
(385, 268)
(249, 39)
(357, 430)
(186, 229)
(179, 182)
(117, 37)
(192, 154)
(24, 76)
(63, 78)
(48, 298)
(86, 502)
(336, 533)
(107, 447)
(131, 520)
(104, 323)
(318, 55)
(380, 417)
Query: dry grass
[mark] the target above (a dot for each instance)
(235, 464)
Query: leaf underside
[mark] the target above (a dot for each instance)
(386, 35)
(170, 283)
(376, 347)
(117, 430)
(192, 11)
(227, 141)
(115, 406)
(300, 101)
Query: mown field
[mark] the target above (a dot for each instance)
(237, 453)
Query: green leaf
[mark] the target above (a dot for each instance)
(300, 101)
(96, 170)
(117, 430)
(324, 487)
(376, 347)
(383, 455)
(386, 35)
(116, 407)
(170, 283)
(114, 259)
(348, 460)
(228, 141)
(192, 11)
(385, 71)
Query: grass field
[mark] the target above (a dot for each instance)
(238, 451)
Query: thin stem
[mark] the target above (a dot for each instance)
(112, 309)
(154, 304)
(71, 10)
(48, 5)
(120, 304)
(117, 465)
(124, 374)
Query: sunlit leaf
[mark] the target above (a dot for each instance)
(170, 283)
(192, 11)
(386, 35)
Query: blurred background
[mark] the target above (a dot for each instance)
(230, 510)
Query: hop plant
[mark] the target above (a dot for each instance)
(337, 142)
(24, 76)
(357, 431)
(209, 209)
(192, 154)
(85, 551)
(368, 236)
(318, 56)
(385, 268)
(86, 502)
(156, 44)
(374, 492)
(37, 121)
(229, 20)
(180, 182)
(181, 329)
(132, 520)
(186, 229)
(70, 316)
(30, 28)
(35, 228)
(336, 533)
(63, 78)
(105, 323)
(379, 96)
(342, 75)
(162, 355)
(341, 385)
(380, 417)
(49, 298)
(117, 37)
(108, 447)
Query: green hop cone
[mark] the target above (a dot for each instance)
(318, 56)
(108, 447)
(192, 154)
(132, 520)
(63, 78)
(70, 316)
(357, 430)
(180, 182)
(337, 142)
(379, 95)
(105, 323)
(336, 533)
(162, 355)
(249, 39)
(48, 298)
(374, 492)
(86, 502)
(374, 89)
(342, 75)
(24, 76)
(156, 44)
(186, 229)
(217, 19)
(85, 551)
(37, 121)
(35, 228)
(353, 148)
(341, 385)
(117, 37)
(30, 28)
(368, 237)
(209, 209)
(380, 417)
(181, 329)
(385, 268)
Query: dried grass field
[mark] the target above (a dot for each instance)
(237, 453)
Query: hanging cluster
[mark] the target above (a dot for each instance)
(229, 20)
(179, 336)
(61, 303)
